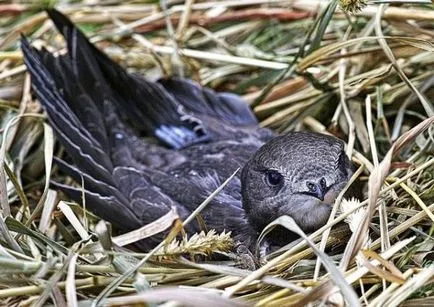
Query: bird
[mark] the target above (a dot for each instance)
(141, 147)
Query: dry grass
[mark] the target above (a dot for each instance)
(367, 77)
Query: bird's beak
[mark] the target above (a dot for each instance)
(325, 195)
(319, 192)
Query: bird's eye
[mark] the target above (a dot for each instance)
(274, 178)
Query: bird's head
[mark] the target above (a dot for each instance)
(299, 174)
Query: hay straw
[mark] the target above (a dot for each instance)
(364, 75)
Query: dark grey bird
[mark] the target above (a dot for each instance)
(105, 117)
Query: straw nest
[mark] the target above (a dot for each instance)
(361, 70)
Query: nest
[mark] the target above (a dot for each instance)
(360, 70)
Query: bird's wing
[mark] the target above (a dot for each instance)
(116, 192)
(228, 107)
(170, 109)
(81, 102)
